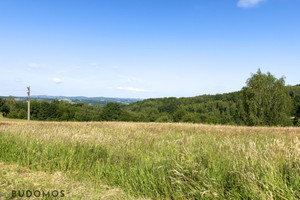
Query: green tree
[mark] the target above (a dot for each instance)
(151, 113)
(127, 116)
(179, 114)
(164, 117)
(11, 103)
(47, 110)
(297, 111)
(83, 114)
(22, 114)
(34, 109)
(1, 103)
(191, 117)
(111, 112)
(4, 109)
(266, 100)
(43, 111)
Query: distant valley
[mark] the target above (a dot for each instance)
(78, 99)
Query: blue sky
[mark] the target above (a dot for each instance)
(145, 48)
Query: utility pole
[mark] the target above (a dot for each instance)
(28, 100)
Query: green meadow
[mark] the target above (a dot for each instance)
(127, 160)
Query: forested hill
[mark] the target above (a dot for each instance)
(271, 104)
(225, 108)
(219, 108)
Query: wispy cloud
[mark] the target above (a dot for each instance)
(131, 89)
(96, 65)
(248, 3)
(115, 67)
(57, 80)
(33, 65)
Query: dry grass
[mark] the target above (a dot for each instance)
(14, 177)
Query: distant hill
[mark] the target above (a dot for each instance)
(228, 108)
(79, 99)
(218, 109)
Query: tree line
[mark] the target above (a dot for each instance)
(265, 100)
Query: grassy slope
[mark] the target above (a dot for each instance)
(162, 161)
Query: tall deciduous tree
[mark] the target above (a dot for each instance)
(266, 100)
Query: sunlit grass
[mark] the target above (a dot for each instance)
(162, 161)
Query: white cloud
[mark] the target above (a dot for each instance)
(131, 89)
(57, 80)
(115, 67)
(126, 79)
(96, 66)
(33, 65)
(248, 3)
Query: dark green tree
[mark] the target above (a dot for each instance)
(83, 114)
(164, 117)
(297, 111)
(266, 100)
(179, 114)
(191, 117)
(47, 110)
(127, 116)
(4, 109)
(22, 114)
(11, 103)
(111, 112)
(34, 109)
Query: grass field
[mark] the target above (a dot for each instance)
(118, 160)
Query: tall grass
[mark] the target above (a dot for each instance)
(163, 161)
